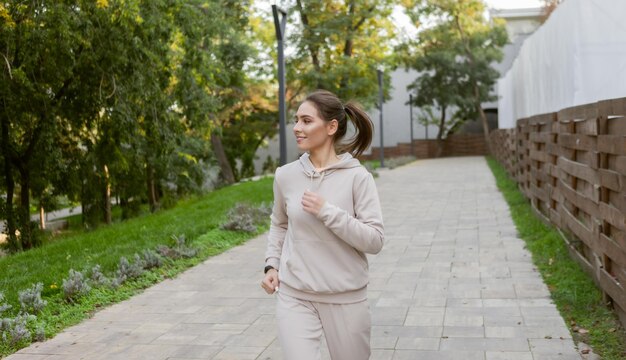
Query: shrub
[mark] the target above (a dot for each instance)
(371, 167)
(151, 260)
(117, 281)
(239, 219)
(3, 306)
(245, 217)
(15, 330)
(30, 299)
(269, 165)
(98, 278)
(40, 333)
(399, 161)
(264, 211)
(5, 325)
(75, 286)
(180, 249)
(126, 270)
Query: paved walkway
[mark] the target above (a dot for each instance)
(453, 282)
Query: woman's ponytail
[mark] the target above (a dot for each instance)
(364, 129)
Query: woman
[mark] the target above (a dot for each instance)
(326, 217)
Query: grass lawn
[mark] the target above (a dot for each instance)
(198, 219)
(573, 291)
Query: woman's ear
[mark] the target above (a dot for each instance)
(331, 127)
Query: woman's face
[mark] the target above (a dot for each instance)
(311, 131)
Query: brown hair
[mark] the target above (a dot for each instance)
(330, 107)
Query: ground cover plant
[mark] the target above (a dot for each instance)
(86, 271)
(573, 291)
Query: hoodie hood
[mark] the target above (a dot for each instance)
(346, 161)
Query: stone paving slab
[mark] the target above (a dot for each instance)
(453, 282)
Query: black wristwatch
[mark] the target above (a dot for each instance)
(267, 268)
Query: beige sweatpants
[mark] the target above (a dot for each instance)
(300, 324)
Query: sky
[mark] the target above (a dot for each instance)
(404, 23)
(513, 4)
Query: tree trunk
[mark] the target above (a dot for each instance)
(42, 216)
(83, 205)
(14, 244)
(483, 119)
(218, 150)
(479, 108)
(151, 188)
(442, 125)
(26, 231)
(123, 202)
(107, 196)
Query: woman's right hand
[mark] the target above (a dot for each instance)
(270, 281)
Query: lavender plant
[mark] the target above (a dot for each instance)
(151, 259)
(30, 299)
(98, 278)
(126, 270)
(245, 217)
(180, 249)
(40, 333)
(16, 330)
(75, 286)
(3, 306)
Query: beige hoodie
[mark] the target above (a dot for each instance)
(323, 258)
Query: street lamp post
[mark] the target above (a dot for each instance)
(279, 24)
(380, 109)
(411, 122)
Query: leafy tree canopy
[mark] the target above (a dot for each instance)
(339, 47)
(454, 56)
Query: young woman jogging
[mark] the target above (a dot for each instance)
(326, 217)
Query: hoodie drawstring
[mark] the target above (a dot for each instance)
(323, 173)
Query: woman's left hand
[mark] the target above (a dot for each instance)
(312, 202)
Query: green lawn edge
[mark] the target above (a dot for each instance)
(573, 291)
(197, 218)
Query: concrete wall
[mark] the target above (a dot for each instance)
(396, 123)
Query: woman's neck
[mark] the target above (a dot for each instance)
(323, 158)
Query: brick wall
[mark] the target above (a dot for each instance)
(454, 145)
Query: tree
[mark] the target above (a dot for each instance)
(45, 44)
(458, 51)
(112, 98)
(250, 124)
(211, 79)
(548, 8)
(340, 45)
(440, 83)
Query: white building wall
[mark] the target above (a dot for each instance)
(396, 114)
(578, 56)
